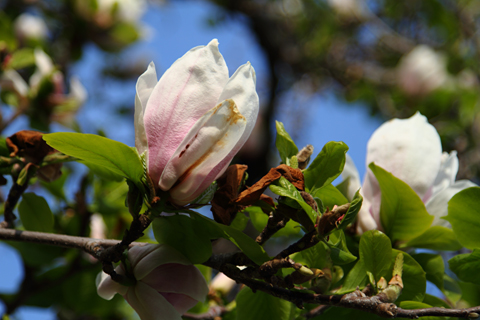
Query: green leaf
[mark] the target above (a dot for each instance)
(96, 151)
(376, 252)
(259, 220)
(314, 257)
(286, 189)
(339, 251)
(185, 235)
(240, 221)
(327, 166)
(284, 143)
(330, 196)
(262, 306)
(207, 195)
(353, 210)
(402, 212)
(452, 289)
(470, 293)
(435, 238)
(3, 147)
(463, 215)
(22, 58)
(357, 277)
(35, 213)
(414, 278)
(216, 230)
(434, 267)
(466, 266)
(435, 301)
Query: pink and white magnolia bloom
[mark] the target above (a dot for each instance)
(410, 149)
(167, 285)
(193, 120)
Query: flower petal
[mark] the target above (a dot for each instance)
(410, 149)
(12, 79)
(145, 84)
(146, 258)
(241, 89)
(350, 172)
(187, 90)
(437, 206)
(107, 288)
(181, 302)
(446, 175)
(149, 304)
(176, 278)
(209, 141)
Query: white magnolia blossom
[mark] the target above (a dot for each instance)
(194, 120)
(422, 70)
(28, 26)
(349, 8)
(410, 149)
(105, 12)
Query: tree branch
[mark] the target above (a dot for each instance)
(355, 300)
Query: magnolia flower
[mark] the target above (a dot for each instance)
(422, 70)
(193, 120)
(223, 284)
(105, 12)
(410, 149)
(167, 284)
(28, 26)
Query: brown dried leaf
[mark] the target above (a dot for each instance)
(223, 207)
(254, 193)
(30, 145)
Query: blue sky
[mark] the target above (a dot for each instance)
(176, 28)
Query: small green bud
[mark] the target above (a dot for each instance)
(294, 162)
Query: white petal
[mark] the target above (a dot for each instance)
(437, 206)
(241, 89)
(222, 283)
(209, 141)
(145, 259)
(149, 304)
(186, 91)
(77, 91)
(43, 61)
(145, 84)
(365, 221)
(350, 172)
(447, 173)
(410, 149)
(107, 288)
(12, 78)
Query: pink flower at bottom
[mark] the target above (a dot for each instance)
(167, 286)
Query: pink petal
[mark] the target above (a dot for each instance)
(183, 95)
(145, 84)
(149, 304)
(176, 278)
(182, 303)
(241, 89)
(209, 141)
(146, 258)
